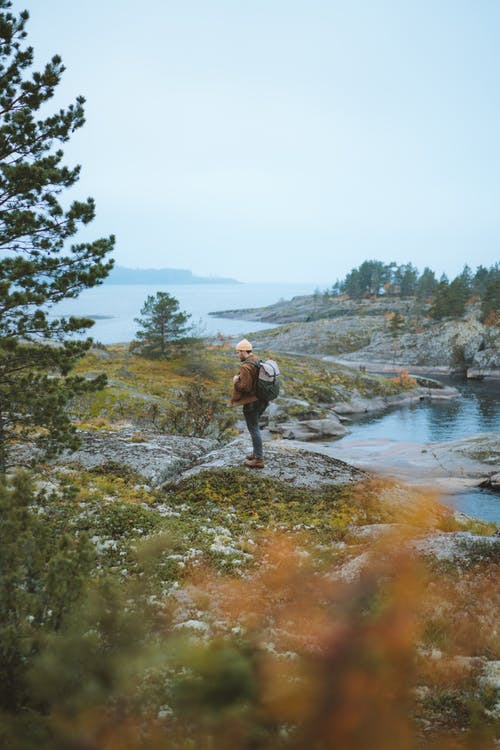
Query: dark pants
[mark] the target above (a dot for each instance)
(252, 412)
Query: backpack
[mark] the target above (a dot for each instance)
(268, 386)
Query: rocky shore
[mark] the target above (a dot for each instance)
(296, 454)
(361, 332)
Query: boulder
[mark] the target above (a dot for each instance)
(473, 454)
(287, 409)
(286, 463)
(311, 429)
(492, 482)
(359, 405)
(453, 546)
(486, 361)
(154, 456)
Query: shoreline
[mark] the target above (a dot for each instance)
(381, 367)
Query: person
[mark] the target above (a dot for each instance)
(245, 394)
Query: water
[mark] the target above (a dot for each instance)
(476, 411)
(116, 305)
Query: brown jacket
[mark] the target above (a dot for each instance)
(244, 389)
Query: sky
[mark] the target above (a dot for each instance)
(283, 140)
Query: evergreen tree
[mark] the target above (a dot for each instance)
(373, 275)
(405, 278)
(396, 324)
(162, 326)
(458, 294)
(481, 280)
(352, 285)
(368, 279)
(37, 268)
(450, 298)
(466, 278)
(438, 308)
(490, 303)
(426, 284)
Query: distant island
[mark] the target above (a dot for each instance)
(122, 275)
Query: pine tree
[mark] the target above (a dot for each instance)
(406, 277)
(426, 284)
(37, 268)
(396, 324)
(490, 304)
(450, 298)
(162, 327)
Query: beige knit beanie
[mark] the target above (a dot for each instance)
(244, 346)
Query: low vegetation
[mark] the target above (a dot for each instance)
(229, 612)
(218, 613)
(189, 394)
(234, 612)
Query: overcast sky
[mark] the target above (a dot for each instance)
(284, 140)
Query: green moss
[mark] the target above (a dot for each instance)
(324, 513)
(116, 470)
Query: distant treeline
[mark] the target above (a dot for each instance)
(373, 278)
(123, 275)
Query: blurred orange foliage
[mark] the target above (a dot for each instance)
(305, 656)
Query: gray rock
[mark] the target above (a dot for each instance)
(492, 482)
(443, 468)
(295, 466)
(155, 457)
(320, 336)
(311, 429)
(447, 343)
(452, 546)
(488, 358)
(282, 409)
(360, 405)
(469, 453)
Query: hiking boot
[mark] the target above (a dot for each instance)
(254, 463)
(250, 456)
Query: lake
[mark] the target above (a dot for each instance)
(476, 411)
(116, 305)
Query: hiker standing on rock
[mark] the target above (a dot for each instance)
(245, 393)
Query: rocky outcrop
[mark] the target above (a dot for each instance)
(361, 333)
(456, 344)
(286, 463)
(486, 361)
(298, 460)
(160, 459)
(447, 467)
(321, 336)
(492, 483)
(306, 308)
(153, 456)
(452, 546)
(358, 404)
(310, 429)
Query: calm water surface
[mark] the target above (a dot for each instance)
(476, 411)
(114, 306)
